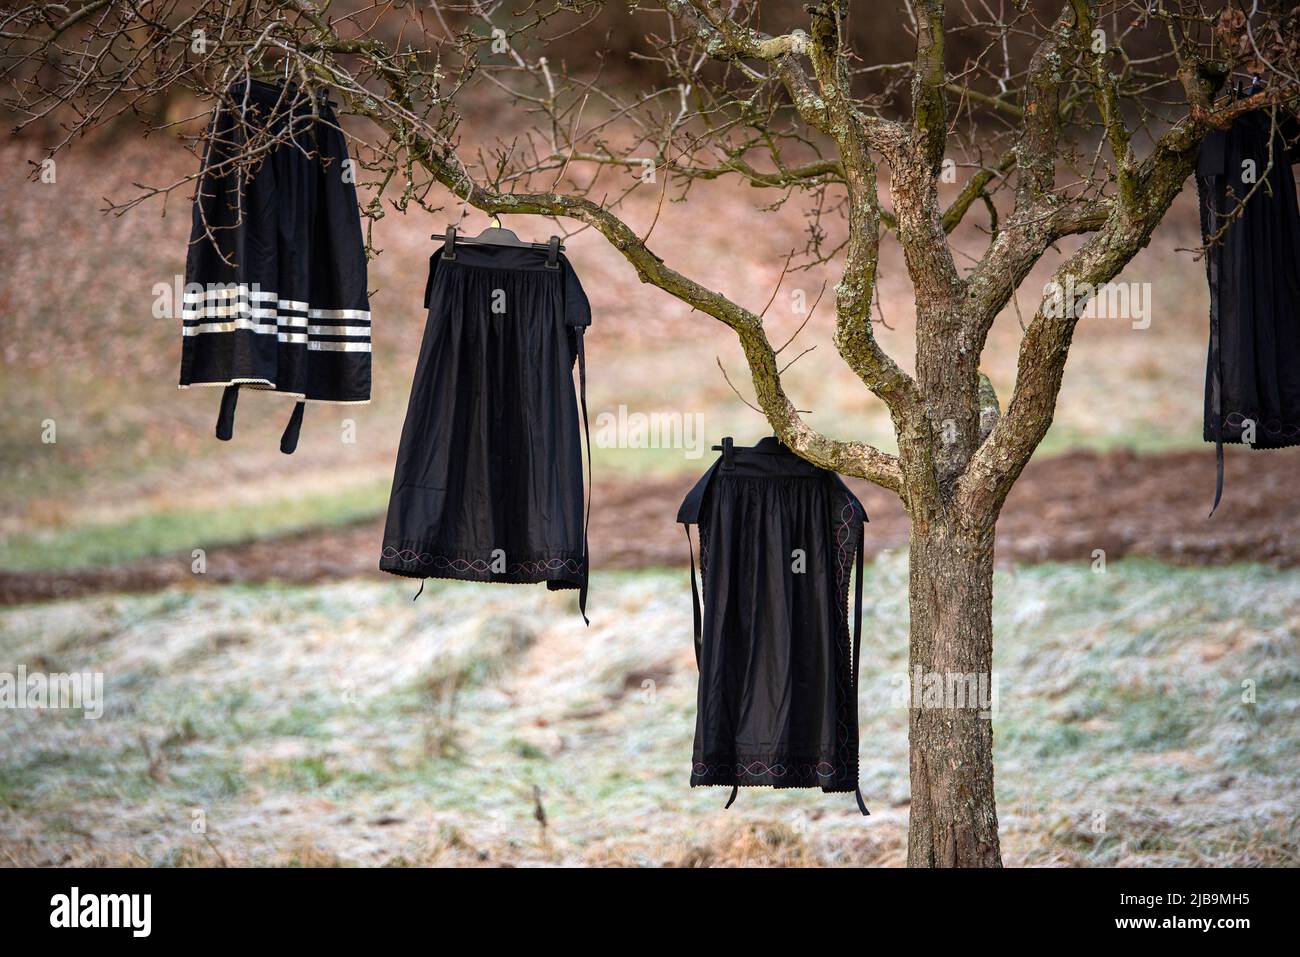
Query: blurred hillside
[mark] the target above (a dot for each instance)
(83, 347)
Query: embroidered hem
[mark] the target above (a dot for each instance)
(417, 562)
(1269, 433)
(777, 771)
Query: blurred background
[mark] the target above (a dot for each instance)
(297, 702)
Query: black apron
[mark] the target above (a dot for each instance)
(777, 701)
(488, 483)
(1253, 372)
(275, 295)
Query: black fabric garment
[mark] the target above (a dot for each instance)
(777, 699)
(1250, 218)
(275, 295)
(488, 483)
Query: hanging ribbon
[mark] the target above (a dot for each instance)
(226, 414)
(857, 645)
(289, 440)
(586, 431)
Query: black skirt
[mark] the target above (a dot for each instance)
(488, 482)
(1252, 381)
(777, 701)
(275, 295)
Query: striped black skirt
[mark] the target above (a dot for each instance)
(275, 296)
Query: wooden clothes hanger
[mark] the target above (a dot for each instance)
(498, 235)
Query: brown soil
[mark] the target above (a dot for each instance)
(1062, 509)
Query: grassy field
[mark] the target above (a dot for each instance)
(344, 724)
(167, 530)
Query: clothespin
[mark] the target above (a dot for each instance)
(553, 253)
(449, 243)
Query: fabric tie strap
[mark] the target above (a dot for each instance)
(1216, 394)
(862, 805)
(735, 789)
(1210, 228)
(586, 522)
(695, 596)
(857, 646)
(289, 440)
(857, 610)
(1218, 472)
(225, 430)
(226, 416)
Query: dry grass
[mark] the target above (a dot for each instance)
(344, 724)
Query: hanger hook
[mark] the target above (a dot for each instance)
(496, 220)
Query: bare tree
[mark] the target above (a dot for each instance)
(1080, 118)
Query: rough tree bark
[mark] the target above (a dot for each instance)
(953, 816)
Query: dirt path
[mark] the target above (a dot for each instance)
(1062, 508)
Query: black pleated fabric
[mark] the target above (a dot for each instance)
(276, 295)
(1253, 370)
(777, 699)
(488, 484)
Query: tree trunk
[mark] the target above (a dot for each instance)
(954, 820)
